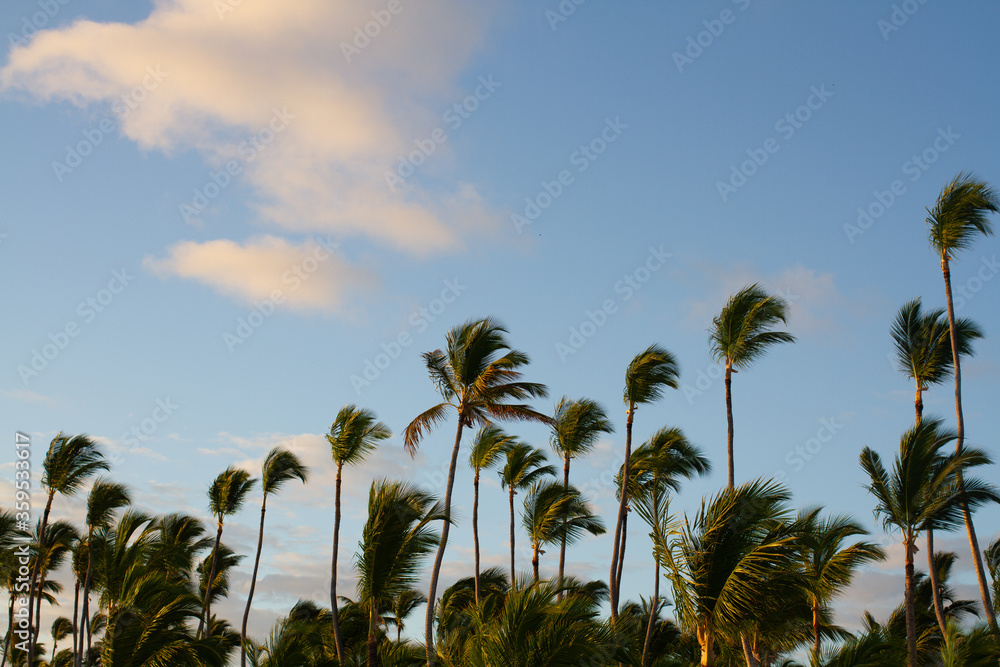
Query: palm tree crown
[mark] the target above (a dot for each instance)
(960, 215)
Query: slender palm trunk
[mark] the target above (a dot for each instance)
(654, 606)
(76, 618)
(911, 624)
(513, 574)
(707, 643)
(32, 590)
(475, 527)
(85, 612)
(627, 470)
(729, 422)
(207, 621)
(748, 652)
(621, 553)
(815, 629)
(562, 540)
(534, 560)
(935, 586)
(372, 640)
(253, 584)
(439, 558)
(970, 529)
(38, 605)
(334, 611)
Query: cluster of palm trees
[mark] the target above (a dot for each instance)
(752, 578)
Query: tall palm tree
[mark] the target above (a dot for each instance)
(723, 562)
(740, 335)
(105, 498)
(396, 537)
(923, 352)
(477, 376)
(62, 628)
(648, 374)
(554, 512)
(923, 490)
(280, 466)
(659, 465)
(828, 564)
(577, 426)
(354, 434)
(225, 498)
(961, 214)
(60, 540)
(487, 448)
(69, 463)
(524, 465)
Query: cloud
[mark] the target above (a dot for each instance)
(26, 395)
(268, 86)
(307, 276)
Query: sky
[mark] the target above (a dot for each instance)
(223, 221)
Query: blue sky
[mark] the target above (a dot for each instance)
(218, 216)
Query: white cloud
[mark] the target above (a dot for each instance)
(27, 395)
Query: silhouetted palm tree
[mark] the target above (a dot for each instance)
(523, 466)
(487, 448)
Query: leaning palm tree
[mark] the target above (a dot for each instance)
(576, 427)
(740, 335)
(828, 564)
(487, 448)
(923, 490)
(923, 352)
(280, 466)
(403, 606)
(103, 501)
(62, 628)
(225, 498)
(61, 537)
(960, 214)
(555, 513)
(478, 376)
(647, 375)
(396, 537)
(524, 465)
(69, 463)
(354, 434)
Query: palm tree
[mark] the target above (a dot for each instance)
(354, 434)
(647, 375)
(923, 352)
(62, 627)
(487, 448)
(60, 539)
(280, 466)
(923, 490)
(225, 498)
(829, 565)
(658, 467)
(958, 217)
(396, 537)
(478, 376)
(69, 463)
(403, 606)
(554, 512)
(740, 335)
(523, 466)
(576, 427)
(105, 498)
(724, 562)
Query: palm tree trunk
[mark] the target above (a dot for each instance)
(935, 587)
(76, 617)
(207, 621)
(475, 527)
(334, 611)
(534, 560)
(970, 529)
(32, 591)
(918, 402)
(372, 640)
(38, 605)
(253, 584)
(439, 558)
(729, 422)
(10, 631)
(562, 540)
(748, 653)
(707, 643)
(513, 574)
(621, 513)
(911, 624)
(85, 630)
(815, 628)
(621, 553)
(653, 606)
